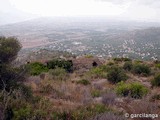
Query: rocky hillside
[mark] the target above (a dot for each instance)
(104, 89)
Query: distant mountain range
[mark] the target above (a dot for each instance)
(9, 14)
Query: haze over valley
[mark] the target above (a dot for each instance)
(99, 36)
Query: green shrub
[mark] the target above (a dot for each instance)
(84, 82)
(117, 59)
(67, 65)
(135, 90)
(123, 89)
(58, 74)
(23, 113)
(36, 68)
(138, 61)
(128, 66)
(98, 72)
(9, 48)
(127, 59)
(97, 108)
(116, 75)
(39, 114)
(82, 113)
(88, 56)
(96, 93)
(110, 63)
(10, 76)
(138, 90)
(109, 116)
(62, 116)
(121, 59)
(85, 113)
(26, 91)
(156, 80)
(141, 69)
(158, 65)
(104, 68)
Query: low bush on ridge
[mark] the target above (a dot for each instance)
(135, 90)
(116, 74)
(58, 74)
(36, 68)
(141, 69)
(128, 66)
(156, 80)
(83, 82)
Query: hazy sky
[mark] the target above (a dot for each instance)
(125, 9)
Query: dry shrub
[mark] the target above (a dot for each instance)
(80, 94)
(143, 106)
(109, 116)
(97, 86)
(109, 98)
(42, 76)
(58, 74)
(87, 98)
(45, 87)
